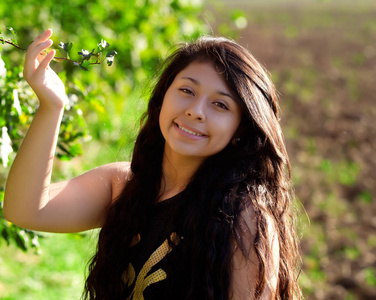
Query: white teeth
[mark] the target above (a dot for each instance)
(188, 131)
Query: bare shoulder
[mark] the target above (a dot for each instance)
(248, 221)
(119, 173)
(245, 261)
(119, 170)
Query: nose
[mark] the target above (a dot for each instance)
(196, 110)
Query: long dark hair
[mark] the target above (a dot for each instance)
(253, 170)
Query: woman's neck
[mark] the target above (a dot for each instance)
(176, 174)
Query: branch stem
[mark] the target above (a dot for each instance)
(75, 61)
(57, 58)
(13, 44)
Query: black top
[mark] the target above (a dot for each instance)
(150, 273)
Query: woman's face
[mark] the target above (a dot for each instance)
(199, 115)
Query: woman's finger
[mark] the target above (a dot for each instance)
(34, 52)
(40, 39)
(32, 56)
(44, 36)
(44, 64)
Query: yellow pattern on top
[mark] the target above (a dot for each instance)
(143, 281)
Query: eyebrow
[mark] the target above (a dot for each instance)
(198, 83)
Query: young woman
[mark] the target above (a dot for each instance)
(203, 209)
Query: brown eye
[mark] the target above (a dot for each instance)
(186, 91)
(221, 105)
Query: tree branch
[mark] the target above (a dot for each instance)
(10, 43)
(75, 62)
(58, 58)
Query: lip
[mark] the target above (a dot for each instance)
(189, 131)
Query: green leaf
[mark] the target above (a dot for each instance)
(85, 65)
(110, 57)
(5, 235)
(75, 149)
(63, 157)
(20, 241)
(83, 68)
(14, 40)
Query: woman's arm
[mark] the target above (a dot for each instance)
(31, 201)
(244, 275)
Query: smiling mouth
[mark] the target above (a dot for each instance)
(189, 131)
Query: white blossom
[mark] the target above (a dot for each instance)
(16, 102)
(5, 146)
(3, 71)
(72, 99)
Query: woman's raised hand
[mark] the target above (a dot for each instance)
(31, 200)
(43, 80)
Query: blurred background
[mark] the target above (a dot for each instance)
(322, 58)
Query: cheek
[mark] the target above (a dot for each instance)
(162, 111)
(162, 120)
(166, 105)
(224, 134)
(165, 117)
(228, 129)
